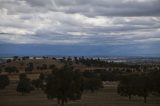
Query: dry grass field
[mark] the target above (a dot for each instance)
(21, 65)
(37, 62)
(105, 97)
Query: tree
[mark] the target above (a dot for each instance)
(0, 69)
(22, 76)
(134, 84)
(43, 79)
(29, 67)
(91, 81)
(41, 76)
(126, 86)
(108, 76)
(64, 85)
(92, 84)
(143, 87)
(15, 58)
(8, 60)
(154, 80)
(25, 58)
(76, 60)
(52, 66)
(40, 82)
(90, 74)
(24, 84)
(4, 81)
(11, 69)
(37, 83)
(43, 67)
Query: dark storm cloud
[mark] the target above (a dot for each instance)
(79, 21)
(102, 7)
(80, 26)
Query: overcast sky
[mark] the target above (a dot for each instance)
(119, 23)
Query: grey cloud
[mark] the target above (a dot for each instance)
(79, 21)
(85, 7)
(102, 7)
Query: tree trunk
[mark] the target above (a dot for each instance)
(129, 97)
(145, 99)
(58, 101)
(62, 103)
(22, 93)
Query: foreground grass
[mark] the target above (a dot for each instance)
(105, 97)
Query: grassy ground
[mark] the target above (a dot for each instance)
(104, 97)
(21, 65)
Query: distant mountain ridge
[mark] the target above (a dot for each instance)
(76, 50)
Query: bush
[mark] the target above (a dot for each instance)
(24, 84)
(0, 69)
(92, 84)
(37, 83)
(4, 81)
(29, 67)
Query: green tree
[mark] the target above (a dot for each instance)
(91, 81)
(4, 81)
(126, 86)
(40, 82)
(92, 84)
(24, 84)
(41, 76)
(108, 76)
(52, 66)
(8, 60)
(37, 83)
(134, 84)
(0, 69)
(64, 85)
(154, 79)
(29, 67)
(143, 86)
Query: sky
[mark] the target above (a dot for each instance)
(80, 27)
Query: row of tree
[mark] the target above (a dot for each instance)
(28, 69)
(139, 84)
(62, 84)
(68, 84)
(90, 62)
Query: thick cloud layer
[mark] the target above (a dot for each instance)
(102, 7)
(80, 22)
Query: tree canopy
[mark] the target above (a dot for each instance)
(24, 84)
(64, 85)
(4, 81)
